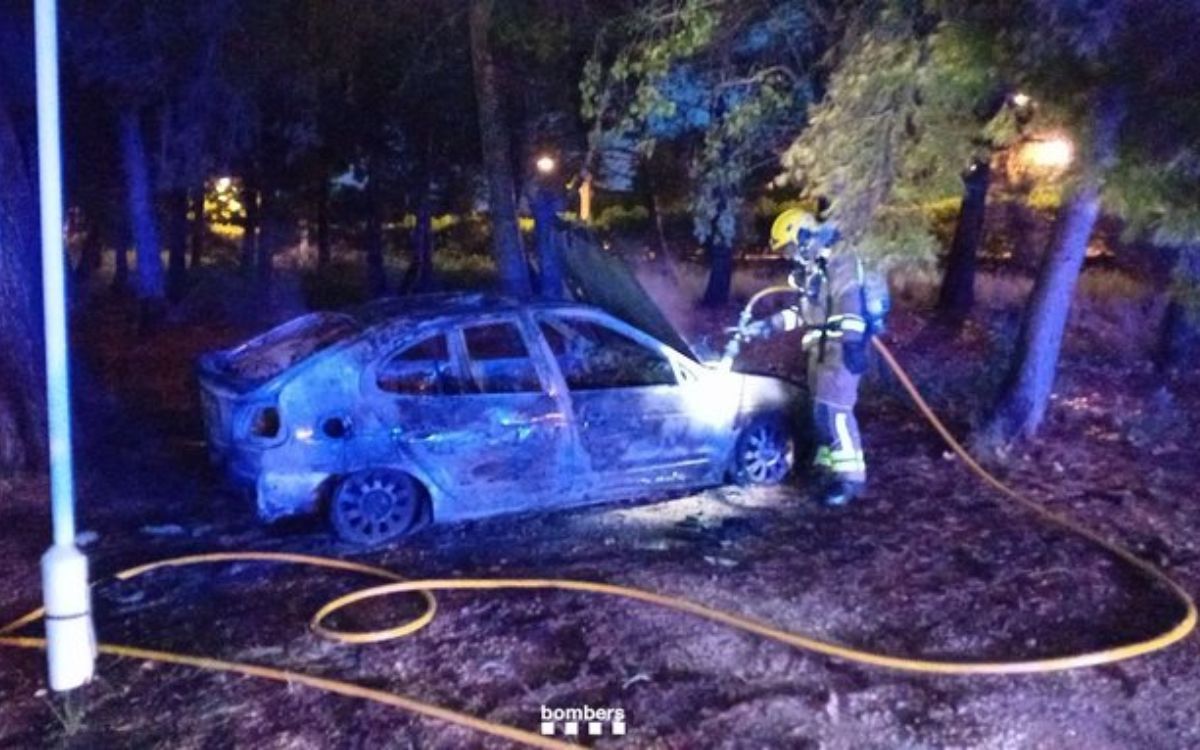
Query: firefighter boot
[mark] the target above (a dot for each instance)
(833, 491)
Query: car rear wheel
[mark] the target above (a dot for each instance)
(375, 506)
(765, 451)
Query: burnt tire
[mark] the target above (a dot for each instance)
(765, 452)
(375, 506)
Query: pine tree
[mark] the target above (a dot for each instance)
(901, 117)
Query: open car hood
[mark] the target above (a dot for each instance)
(603, 279)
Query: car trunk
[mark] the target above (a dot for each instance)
(606, 281)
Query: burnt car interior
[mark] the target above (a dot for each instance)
(267, 356)
(593, 357)
(590, 356)
(499, 361)
(421, 369)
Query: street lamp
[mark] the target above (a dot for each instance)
(70, 638)
(1048, 153)
(546, 164)
(1020, 101)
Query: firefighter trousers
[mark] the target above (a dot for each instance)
(835, 392)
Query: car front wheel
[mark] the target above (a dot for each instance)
(375, 506)
(765, 451)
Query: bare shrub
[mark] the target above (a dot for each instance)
(1115, 314)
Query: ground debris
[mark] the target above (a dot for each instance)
(928, 562)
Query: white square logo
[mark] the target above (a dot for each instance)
(574, 721)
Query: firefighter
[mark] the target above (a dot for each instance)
(834, 310)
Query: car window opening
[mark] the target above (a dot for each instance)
(422, 369)
(595, 357)
(499, 360)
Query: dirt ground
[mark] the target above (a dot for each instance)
(927, 563)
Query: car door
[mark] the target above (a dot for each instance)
(515, 432)
(632, 405)
(469, 407)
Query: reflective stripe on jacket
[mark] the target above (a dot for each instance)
(832, 306)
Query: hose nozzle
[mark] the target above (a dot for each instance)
(732, 349)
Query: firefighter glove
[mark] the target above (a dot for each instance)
(755, 329)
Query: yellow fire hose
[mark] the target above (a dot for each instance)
(397, 585)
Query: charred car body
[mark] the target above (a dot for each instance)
(451, 407)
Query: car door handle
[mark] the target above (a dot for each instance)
(417, 437)
(553, 419)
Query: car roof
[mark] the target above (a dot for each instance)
(380, 318)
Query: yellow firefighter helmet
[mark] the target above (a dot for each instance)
(792, 226)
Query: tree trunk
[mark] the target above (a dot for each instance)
(494, 137)
(720, 273)
(656, 214)
(177, 205)
(270, 237)
(1026, 394)
(250, 235)
(720, 256)
(120, 282)
(1179, 337)
(546, 205)
(93, 245)
(957, 294)
(22, 377)
(142, 221)
(376, 273)
(199, 228)
(585, 199)
(324, 249)
(419, 276)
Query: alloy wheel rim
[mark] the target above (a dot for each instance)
(766, 456)
(376, 506)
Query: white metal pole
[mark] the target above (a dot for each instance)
(70, 638)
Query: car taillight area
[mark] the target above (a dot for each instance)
(262, 423)
(265, 423)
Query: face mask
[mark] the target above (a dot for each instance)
(807, 247)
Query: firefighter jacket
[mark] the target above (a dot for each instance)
(831, 310)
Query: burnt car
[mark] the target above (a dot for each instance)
(448, 407)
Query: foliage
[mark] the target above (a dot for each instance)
(541, 47)
(163, 59)
(620, 218)
(909, 105)
(1160, 198)
(727, 80)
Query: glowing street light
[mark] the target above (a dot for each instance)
(1020, 100)
(1050, 153)
(546, 164)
